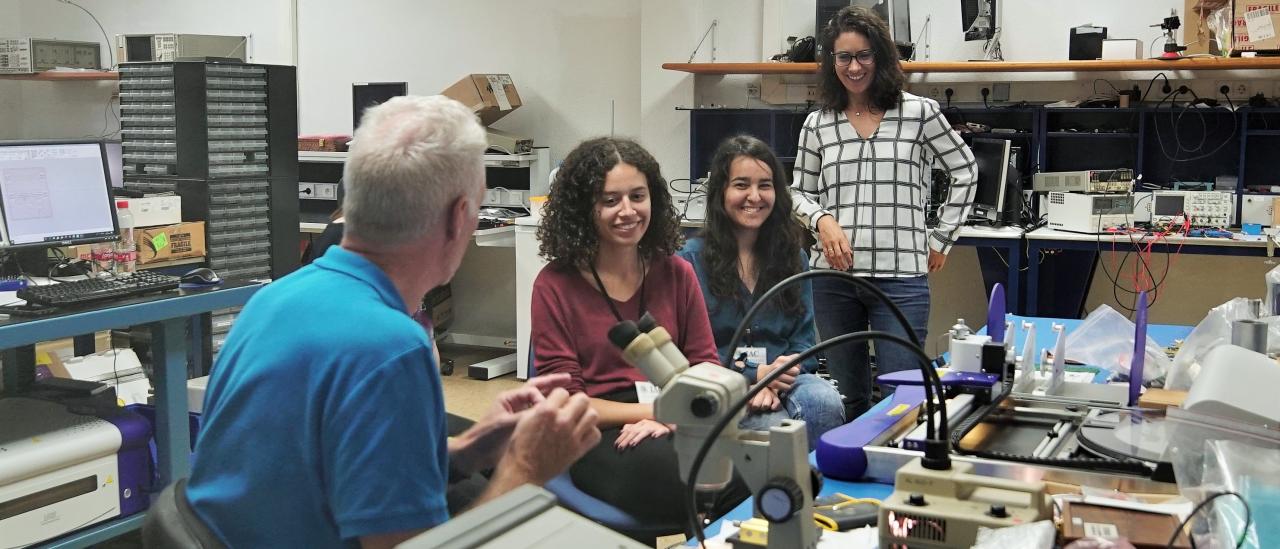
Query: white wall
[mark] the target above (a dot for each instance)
(668, 31)
(574, 63)
(1031, 30)
(73, 109)
(10, 92)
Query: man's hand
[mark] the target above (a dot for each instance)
(635, 433)
(765, 401)
(785, 381)
(483, 444)
(936, 261)
(835, 245)
(547, 439)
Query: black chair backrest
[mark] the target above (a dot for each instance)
(171, 522)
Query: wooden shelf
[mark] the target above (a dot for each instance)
(1199, 63)
(59, 76)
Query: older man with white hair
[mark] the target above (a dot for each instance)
(324, 418)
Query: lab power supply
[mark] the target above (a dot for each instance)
(1089, 213)
(1084, 181)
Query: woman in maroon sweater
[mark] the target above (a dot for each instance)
(609, 231)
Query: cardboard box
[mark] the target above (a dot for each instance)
(1122, 48)
(151, 211)
(1197, 34)
(181, 241)
(491, 96)
(1256, 23)
(323, 143)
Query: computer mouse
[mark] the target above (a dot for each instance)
(202, 275)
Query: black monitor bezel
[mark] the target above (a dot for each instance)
(992, 212)
(357, 112)
(7, 244)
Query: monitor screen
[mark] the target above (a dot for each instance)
(55, 193)
(1168, 204)
(978, 19)
(115, 164)
(368, 94)
(992, 156)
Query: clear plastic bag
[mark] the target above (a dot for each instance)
(1215, 330)
(1034, 535)
(1272, 299)
(1105, 339)
(1212, 455)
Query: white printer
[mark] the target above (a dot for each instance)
(61, 471)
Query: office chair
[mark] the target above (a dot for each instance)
(600, 511)
(171, 522)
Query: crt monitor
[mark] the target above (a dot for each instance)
(55, 193)
(978, 19)
(992, 156)
(368, 94)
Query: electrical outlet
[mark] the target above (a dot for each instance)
(306, 190)
(1238, 89)
(811, 92)
(753, 91)
(326, 191)
(1275, 91)
(1000, 91)
(935, 93)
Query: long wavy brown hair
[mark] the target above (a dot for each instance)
(886, 87)
(568, 231)
(777, 248)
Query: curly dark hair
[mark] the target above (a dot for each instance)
(886, 87)
(777, 248)
(568, 231)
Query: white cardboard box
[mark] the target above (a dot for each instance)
(1122, 48)
(150, 211)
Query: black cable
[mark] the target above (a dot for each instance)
(1153, 82)
(829, 273)
(1175, 122)
(929, 375)
(732, 414)
(1244, 534)
(1113, 86)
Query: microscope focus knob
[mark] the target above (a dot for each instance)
(704, 405)
(779, 500)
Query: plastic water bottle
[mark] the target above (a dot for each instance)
(103, 255)
(126, 252)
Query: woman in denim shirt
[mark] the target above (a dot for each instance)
(750, 243)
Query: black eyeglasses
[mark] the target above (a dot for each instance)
(864, 57)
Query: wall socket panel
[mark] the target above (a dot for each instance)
(318, 191)
(1000, 91)
(1240, 89)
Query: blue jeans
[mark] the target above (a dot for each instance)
(812, 400)
(841, 308)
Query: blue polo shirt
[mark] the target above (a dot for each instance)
(324, 418)
(778, 332)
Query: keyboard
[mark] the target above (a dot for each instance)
(97, 289)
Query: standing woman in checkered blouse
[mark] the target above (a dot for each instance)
(861, 182)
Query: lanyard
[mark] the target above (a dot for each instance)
(609, 301)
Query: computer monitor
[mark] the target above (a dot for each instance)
(115, 163)
(992, 156)
(978, 19)
(368, 94)
(55, 193)
(897, 13)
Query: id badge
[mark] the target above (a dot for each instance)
(754, 355)
(647, 392)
